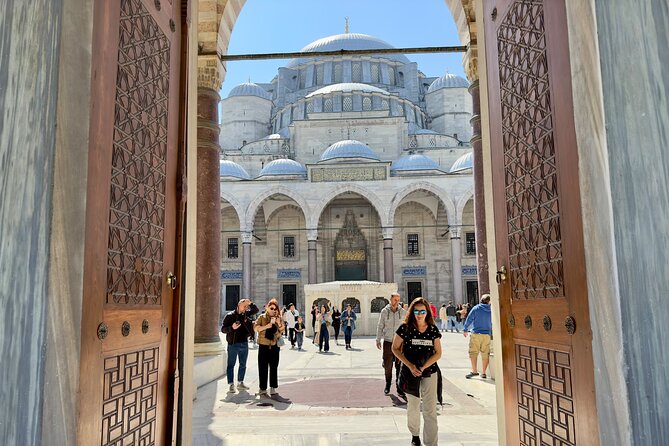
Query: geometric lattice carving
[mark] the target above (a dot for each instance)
(532, 205)
(545, 399)
(139, 152)
(130, 398)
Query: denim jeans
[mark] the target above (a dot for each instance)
(299, 338)
(452, 323)
(348, 334)
(241, 350)
(324, 337)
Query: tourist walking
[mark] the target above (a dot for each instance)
(238, 328)
(390, 319)
(452, 317)
(314, 312)
(443, 318)
(290, 317)
(299, 332)
(417, 344)
(269, 327)
(336, 322)
(323, 321)
(480, 320)
(348, 318)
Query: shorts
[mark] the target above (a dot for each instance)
(479, 343)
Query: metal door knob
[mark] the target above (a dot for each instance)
(171, 280)
(501, 275)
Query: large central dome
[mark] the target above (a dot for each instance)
(348, 41)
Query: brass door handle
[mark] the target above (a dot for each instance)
(171, 280)
(501, 275)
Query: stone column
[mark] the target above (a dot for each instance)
(456, 263)
(247, 264)
(388, 265)
(312, 258)
(208, 262)
(479, 199)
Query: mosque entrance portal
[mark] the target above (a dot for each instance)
(350, 251)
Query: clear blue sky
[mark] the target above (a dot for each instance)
(268, 26)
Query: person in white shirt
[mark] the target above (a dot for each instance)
(290, 316)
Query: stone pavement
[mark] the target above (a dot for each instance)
(336, 398)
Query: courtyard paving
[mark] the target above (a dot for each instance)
(336, 398)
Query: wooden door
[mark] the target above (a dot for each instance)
(546, 334)
(127, 324)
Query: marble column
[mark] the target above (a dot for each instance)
(208, 262)
(312, 258)
(479, 199)
(388, 265)
(456, 263)
(247, 265)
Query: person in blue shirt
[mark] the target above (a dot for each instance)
(480, 321)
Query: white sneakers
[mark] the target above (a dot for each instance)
(262, 392)
(242, 386)
(232, 388)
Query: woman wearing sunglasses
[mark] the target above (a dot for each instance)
(417, 344)
(269, 327)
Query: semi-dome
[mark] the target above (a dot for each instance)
(232, 169)
(273, 136)
(249, 89)
(283, 166)
(413, 162)
(348, 149)
(348, 41)
(448, 80)
(414, 129)
(465, 162)
(347, 87)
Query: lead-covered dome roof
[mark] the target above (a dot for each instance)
(465, 162)
(233, 170)
(348, 41)
(249, 89)
(414, 162)
(283, 166)
(349, 149)
(448, 80)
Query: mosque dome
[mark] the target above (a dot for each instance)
(348, 149)
(232, 169)
(348, 41)
(273, 136)
(412, 162)
(249, 89)
(448, 80)
(465, 162)
(283, 166)
(347, 87)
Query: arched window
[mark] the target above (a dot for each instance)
(356, 72)
(327, 107)
(355, 304)
(391, 73)
(303, 78)
(375, 73)
(348, 104)
(384, 104)
(310, 107)
(400, 80)
(366, 103)
(337, 73)
(319, 74)
(378, 303)
(321, 301)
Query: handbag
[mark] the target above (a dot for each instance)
(281, 342)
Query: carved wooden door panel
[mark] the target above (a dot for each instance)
(546, 334)
(130, 224)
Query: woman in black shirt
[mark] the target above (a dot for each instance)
(336, 320)
(417, 344)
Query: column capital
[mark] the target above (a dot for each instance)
(209, 72)
(471, 63)
(455, 232)
(247, 237)
(387, 233)
(312, 235)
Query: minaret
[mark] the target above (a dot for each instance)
(346, 29)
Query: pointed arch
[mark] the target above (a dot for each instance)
(252, 208)
(440, 193)
(462, 202)
(379, 206)
(237, 206)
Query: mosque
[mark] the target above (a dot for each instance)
(347, 169)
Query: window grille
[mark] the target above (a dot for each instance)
(233, 248)
(375, 73)
(384, 104)
(391, 73)
(289, 247)
(356, 72)
(348, 104)
(366, 104)
(470, 243)
(378, 304)
(319, 74)
(327, 107)
(303, 78)
(412, 245)
(397, 109)
(310, 107)
(337, 73)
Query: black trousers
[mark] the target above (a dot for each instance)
(389, 360)
(291, 336)
(268, 361)
(336, 331)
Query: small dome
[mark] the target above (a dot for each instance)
(448, 80)
(348, 148)
(273, 136)
(249, 89)
(283, 166)
(347, 87)
(465, 162)
(347, 41)
(415, 161)
(232, 169)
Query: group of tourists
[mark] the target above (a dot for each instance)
(408, 336)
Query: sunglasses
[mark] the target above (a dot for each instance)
(419, 311)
